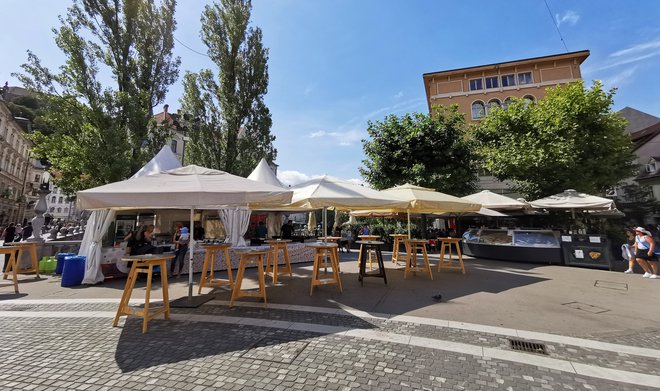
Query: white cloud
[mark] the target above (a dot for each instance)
(569, 17)
(629, 55)
(620, 78)
(341, 138)
(636, 49)
(292, 177)
(398, 95)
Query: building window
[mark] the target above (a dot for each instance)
(508, 80)
(525, 78)
(60, 200)
(173, 146)
(66, 210)
(52, 209)
(506, 103)
(59, 210)
(528, 99)
(53, 200)
(37, 178)
(492, 104)
(476, 84)
(492, 82)
(478, 110)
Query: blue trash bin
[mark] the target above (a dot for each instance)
(60, 261)
(73, 270)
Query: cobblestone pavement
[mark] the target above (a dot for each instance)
(71, 345)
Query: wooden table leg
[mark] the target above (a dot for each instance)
(164, 287)
(228, 261)
(126, 296)
(145, 319)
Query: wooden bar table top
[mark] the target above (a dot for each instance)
(12, 264)
(145, 264)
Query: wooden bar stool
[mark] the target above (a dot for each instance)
(371, 251)
(250, 257)
(412, 246)
(145, 264)
(31, 249)
(321, 251)
(445, 244)
(211, 250)
(12, 264)
(398, 239)
(276, 245)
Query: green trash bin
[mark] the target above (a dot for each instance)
(47, 265)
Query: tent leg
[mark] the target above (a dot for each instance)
(191, 301)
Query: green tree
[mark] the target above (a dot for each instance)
(104, 133)
(571, 139)
(229, 121)
(427, 150)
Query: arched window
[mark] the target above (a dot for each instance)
(493, 103)
(60, 200)
(53, 200)
(52, 209)
(59, 210)
(506, 103)
(528, 99)
(478, 110)
(173, 146)
(66, 210)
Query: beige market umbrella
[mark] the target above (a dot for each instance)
(573, 200)
(491, 200)
(311, 221)
(424, 200)
(327, 192)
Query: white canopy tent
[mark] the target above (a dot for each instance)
(100, 220)
(264, 174)
(191, 187)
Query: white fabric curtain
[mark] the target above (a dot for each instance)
(90, 246)
(274, 223)
(236, 221)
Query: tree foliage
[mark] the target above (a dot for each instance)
(104, 133)
(427, 150)
(571, 139)
(229, 121)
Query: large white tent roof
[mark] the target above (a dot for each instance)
(424, 200)
(185, 187)
(164, 160)
(571, 199)
(264, 174)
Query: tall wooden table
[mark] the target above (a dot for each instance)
(321, 251)
(250, 257)
(370, 249)
(446, 244)
(211, 250)
(398, 239)
(414, 245)
(12, 264)
(367, 247)
(276, 246)
(145, 264)
(31, 249)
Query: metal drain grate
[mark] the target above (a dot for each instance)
(526, 346)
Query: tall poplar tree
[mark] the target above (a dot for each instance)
(228, 121)
(104, 132)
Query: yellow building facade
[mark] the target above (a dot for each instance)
(477, 89)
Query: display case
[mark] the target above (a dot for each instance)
(587, 251)
(536, 246)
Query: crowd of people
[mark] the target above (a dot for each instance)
(16, 232)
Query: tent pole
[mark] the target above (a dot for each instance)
(191, 249)
(408, 212)
(325, 224)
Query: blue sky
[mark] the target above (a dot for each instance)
(334, 65)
